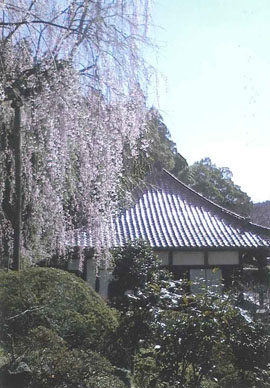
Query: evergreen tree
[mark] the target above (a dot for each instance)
(216, 184)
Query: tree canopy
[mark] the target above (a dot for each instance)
(216, 184)
(260, 213)
(156, 148)
(172, 338)
(162, 148)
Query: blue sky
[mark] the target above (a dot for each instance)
(214, 88)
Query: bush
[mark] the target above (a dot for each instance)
(205, 341)
(55, 331)
(135, 269)
(170, 338)
(50, 363)
(134, 291)
(57, 300)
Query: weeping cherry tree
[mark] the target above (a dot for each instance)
(72, 96)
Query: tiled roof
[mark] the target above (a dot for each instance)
(168, 214)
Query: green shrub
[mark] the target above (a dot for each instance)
(57, 300)
(136, 269)
(55, 332)
(135, 290)
(205, 341)
(52, 364)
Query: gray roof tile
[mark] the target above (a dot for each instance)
(168, 214)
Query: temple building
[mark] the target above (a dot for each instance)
(191, 235)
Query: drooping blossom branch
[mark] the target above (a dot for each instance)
(77, 69)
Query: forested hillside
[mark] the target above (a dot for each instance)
(260, 213)
(204, 176)
(215, 183)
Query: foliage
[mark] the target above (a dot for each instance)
(56, 300)
(162, 149)
(59, 67)
(54, 365)
(171, 338)
(55, 331)
(135, 267)
(260, 213)
(205, 177)
(203, 341)
(217, 185)
(134, 291)
(156, 149)
(51, 363)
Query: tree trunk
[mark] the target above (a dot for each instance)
(18, 186)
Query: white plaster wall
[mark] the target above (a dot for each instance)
(163, 257)
(223, 258)
(188, 258)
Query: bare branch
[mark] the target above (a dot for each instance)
(27, 311)
(46, 22)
